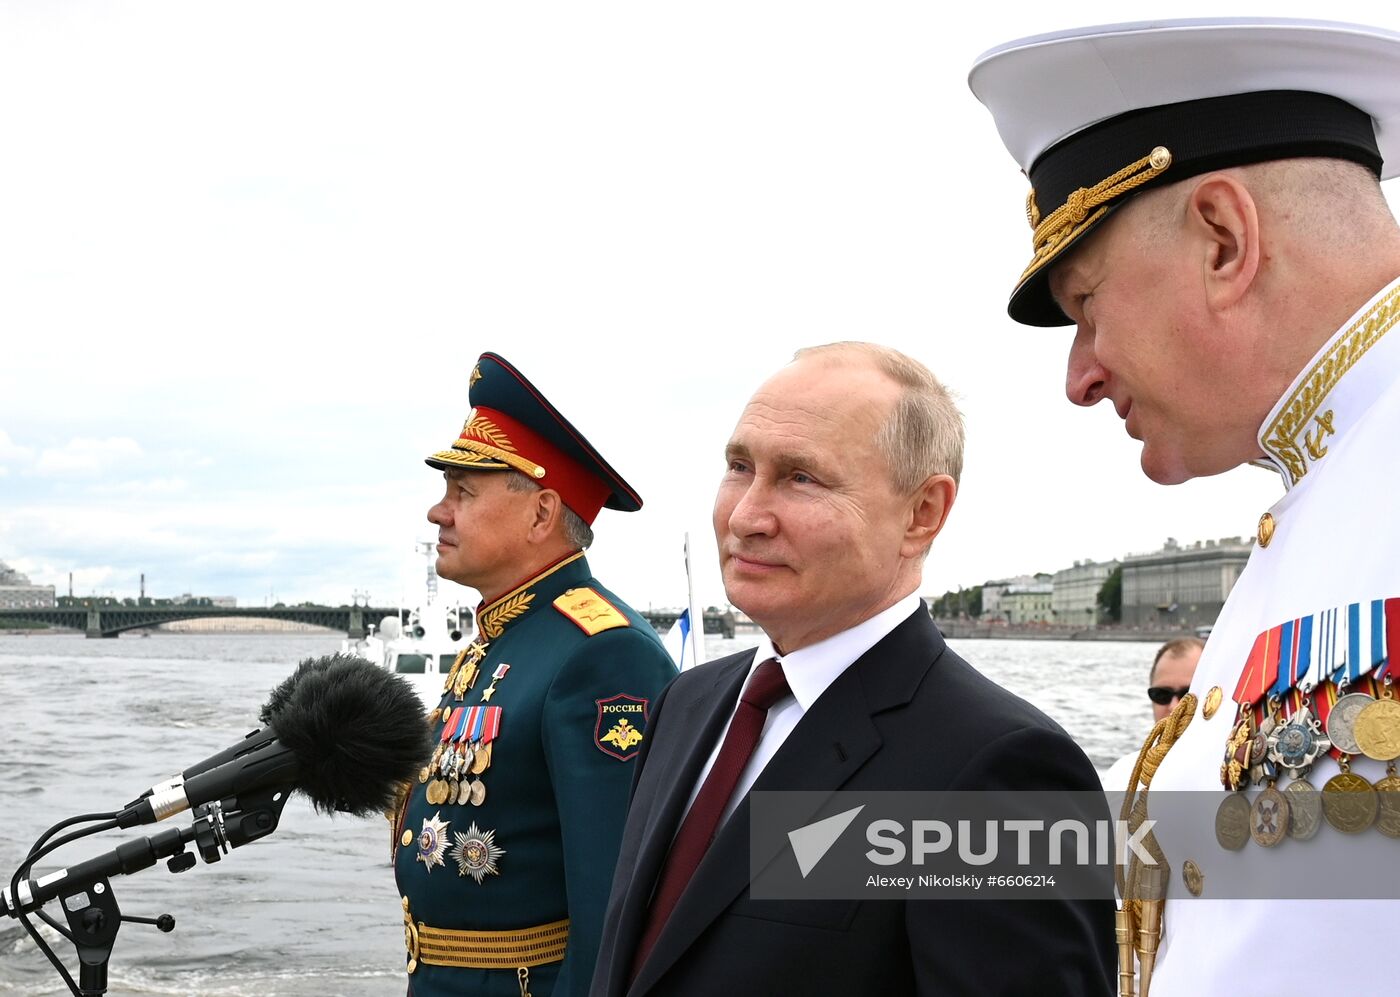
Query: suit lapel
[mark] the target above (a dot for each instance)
(827, 747)
(698, 720)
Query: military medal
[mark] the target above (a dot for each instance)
(1348, 802)
(476, 853)
(1388, 803)
(466, 673)
(1256, 678)
(1341, 721)
(1268, 818)
(1238, 751)
(1377, 729)
(1304, 809)
(496, 677)
(432, 841)
(1262, 767)
(490, 730)
(478, 793)
(1298, 743)
(1232, 822)
(464, 793)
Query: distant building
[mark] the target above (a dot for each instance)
(219, 601)
(1075, 600)
(992, 592)
(1178, 587)
(17, 592)
(1027, 603)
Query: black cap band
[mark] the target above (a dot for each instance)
(1213, 133)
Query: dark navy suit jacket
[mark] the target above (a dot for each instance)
(907, 715)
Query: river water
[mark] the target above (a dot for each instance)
(310, 911)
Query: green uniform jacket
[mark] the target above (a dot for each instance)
(541, 844)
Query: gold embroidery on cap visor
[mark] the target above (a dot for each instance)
(1083, 209)
(484, 446)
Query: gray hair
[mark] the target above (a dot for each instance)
(576, 531)
(924, 434)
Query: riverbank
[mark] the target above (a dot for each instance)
(965, 630)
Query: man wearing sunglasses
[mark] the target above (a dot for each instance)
(1170, 678)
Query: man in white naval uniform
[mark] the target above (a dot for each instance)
(1207, 213)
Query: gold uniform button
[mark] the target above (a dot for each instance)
(1266, 529)
(1195, 880)
(1212, 702)
(406, 840)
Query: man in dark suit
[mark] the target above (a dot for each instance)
(841, 472)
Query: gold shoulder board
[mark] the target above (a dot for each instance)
(590, 612)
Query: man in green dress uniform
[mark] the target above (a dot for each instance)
(505, 846)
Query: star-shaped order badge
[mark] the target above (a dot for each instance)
(432, 840)
(476, 853)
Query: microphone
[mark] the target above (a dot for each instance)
(342, 731)
(254, 740)
(126, 858)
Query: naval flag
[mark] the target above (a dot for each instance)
(677, 641)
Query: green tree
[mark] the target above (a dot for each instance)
(1111, 595)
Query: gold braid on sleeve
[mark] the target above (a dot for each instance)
(1144, 888)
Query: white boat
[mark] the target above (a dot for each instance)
(422, 641)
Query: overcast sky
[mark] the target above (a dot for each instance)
(249, 253)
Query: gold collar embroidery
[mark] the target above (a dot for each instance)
(1295, 439)
(516, 602)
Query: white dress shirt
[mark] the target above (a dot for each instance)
(809, 672)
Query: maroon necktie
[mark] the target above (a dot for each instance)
(765, 687)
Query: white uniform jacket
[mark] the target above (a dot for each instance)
(1334, 438)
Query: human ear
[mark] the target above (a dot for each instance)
(547, 509)
(929, 508)
(1222, 214)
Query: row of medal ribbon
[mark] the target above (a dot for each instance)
(1315, 685)
(464, 751)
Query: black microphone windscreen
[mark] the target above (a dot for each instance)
(357, 732)
(278, 697)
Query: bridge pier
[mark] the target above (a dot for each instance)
(356, 630)
(94, 624)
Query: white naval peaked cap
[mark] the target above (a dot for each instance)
(1096, 114)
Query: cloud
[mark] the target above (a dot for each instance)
(12, 451)
(87, 455)
(139, 489)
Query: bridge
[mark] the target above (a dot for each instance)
(109, 621)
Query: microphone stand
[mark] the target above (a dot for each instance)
(86, 891)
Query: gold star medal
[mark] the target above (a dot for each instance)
(476, 853)
(496, 676)
(432, 840)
